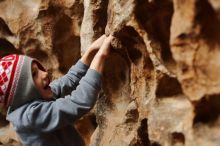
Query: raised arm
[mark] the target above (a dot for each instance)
(100, 58)
(67, 83)
(92, 50)
(48, 116)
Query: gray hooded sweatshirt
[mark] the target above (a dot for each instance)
(49, 123)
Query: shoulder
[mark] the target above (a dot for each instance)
(19, 116)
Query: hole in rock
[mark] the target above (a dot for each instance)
(209, 21)
(116, 73)
(4, 28)
(143, 133)
(167, 87)
(155, 16)
(7, 48)
(86, 126)
(131, 40)
(207, 110)
(101, 16)
(66, 44)
(155, 144)
(37, 53)
(177, 139)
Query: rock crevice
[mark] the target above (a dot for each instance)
(161, 83)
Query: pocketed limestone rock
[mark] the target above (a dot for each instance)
(161, 82)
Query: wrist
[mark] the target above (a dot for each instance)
(101, 56)
(91, 50)
(87, 57)
(98, 63)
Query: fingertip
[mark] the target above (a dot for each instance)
(103, 36)
(111, 37)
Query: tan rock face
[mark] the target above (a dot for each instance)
(161, 83)
(195, 47)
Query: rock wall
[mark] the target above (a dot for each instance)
(161, 83)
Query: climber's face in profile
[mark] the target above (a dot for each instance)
(42, 80)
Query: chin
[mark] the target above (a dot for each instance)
(48, 94)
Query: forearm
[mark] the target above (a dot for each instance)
(100, 58)
(64, 111)
(92, 50)
(98, 63)
(65, 84)
(88, 56)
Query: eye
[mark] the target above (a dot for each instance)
(34, 73)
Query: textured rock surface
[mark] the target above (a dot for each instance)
(161, 83)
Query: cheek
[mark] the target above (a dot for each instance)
(38, 85)
(47, 94)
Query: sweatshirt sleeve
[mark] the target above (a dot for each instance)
(65, 84)
(48, 116)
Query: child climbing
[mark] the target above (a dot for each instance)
(42, 112)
